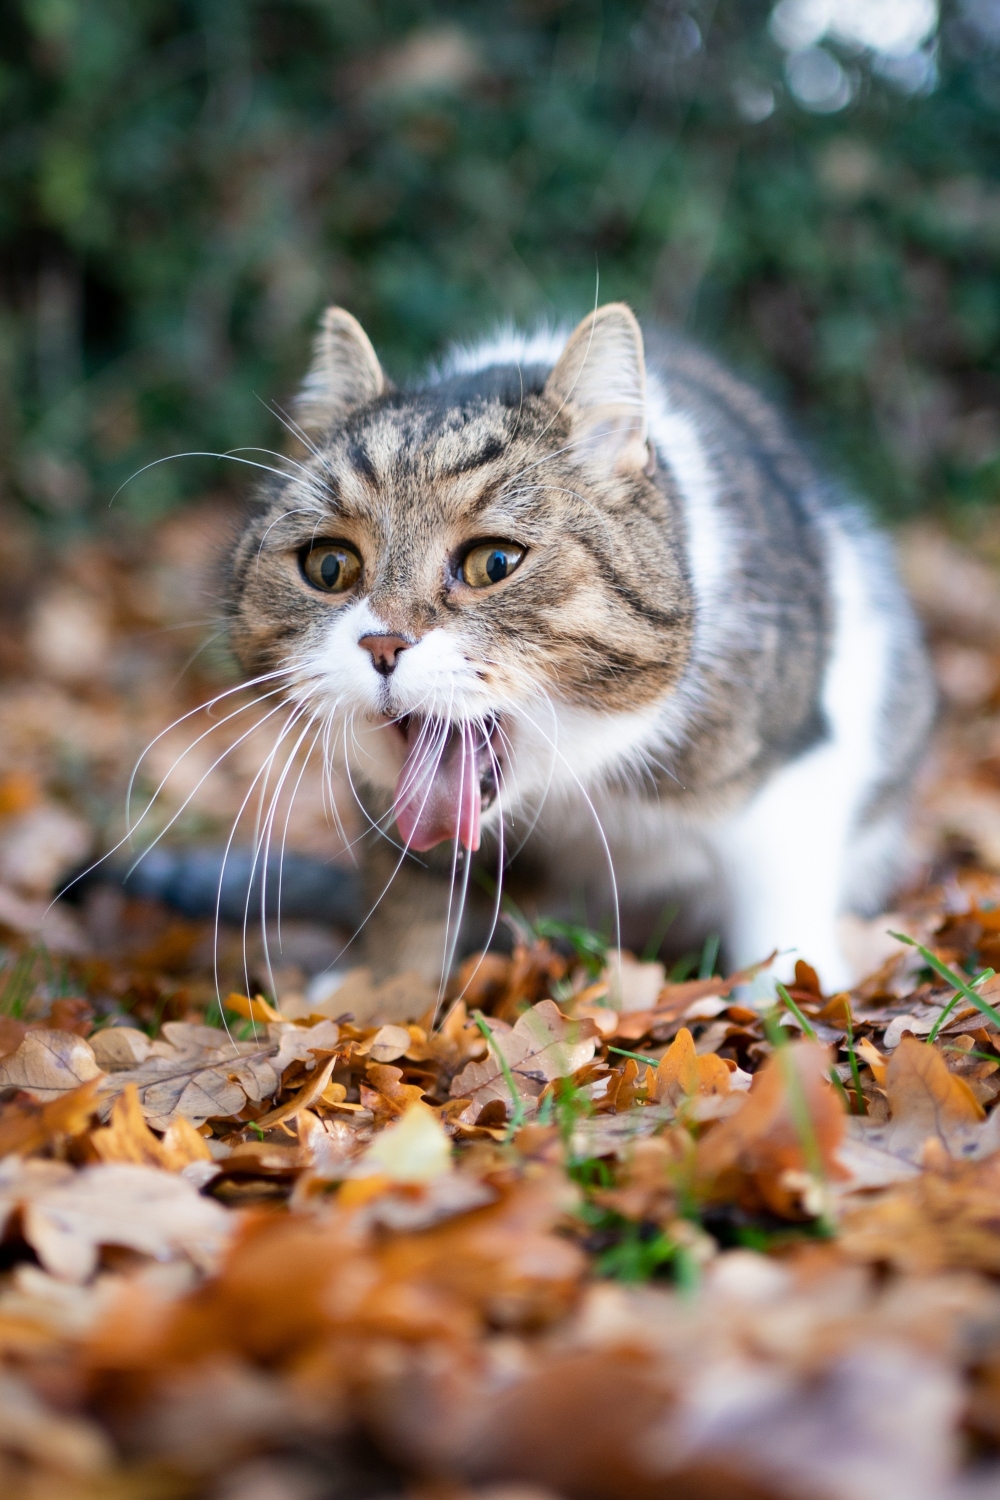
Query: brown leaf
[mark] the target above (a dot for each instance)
(674, 1000)
(48, 1064)
(926, 1100)
(388, 1095)
(788, 1127)
(290, 1282)
(682, 1073)
(404, 997)
(306, 1096)
(624, 1085)
(201, 1073)
(129, 1138)
(26, 1127)
(946, 1217)
(257, 1009)
(67, 1215)
(118, 1048)
(543, 1045)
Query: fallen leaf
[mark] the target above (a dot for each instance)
(26, 1127)
(129, 1139)
(926, 1100)
(118, 1048)
(307, 1095)
(413, 1149)
(870, 1054)
(387, 1096)
(683, 1073)
(630, 984)
(385, 1045)
(67, 1216)
(945, 1216)
(48, 1064)
(404, 997)
(542, 1046)
(257, 1009)
(201, 1073)
(785, 1134)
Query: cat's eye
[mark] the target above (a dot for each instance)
(332, 567)
(490, 563)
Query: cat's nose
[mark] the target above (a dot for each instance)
(385, 651)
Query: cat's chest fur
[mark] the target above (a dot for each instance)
(590, 602)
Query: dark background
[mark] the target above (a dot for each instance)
(183, 186)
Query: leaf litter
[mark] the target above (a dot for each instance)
(594, 1227)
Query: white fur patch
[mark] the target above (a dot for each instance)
(787, 854)
(507, 346)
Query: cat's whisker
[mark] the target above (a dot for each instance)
(232, 457)
(385, 889)
(132, 828)
(498, 899)
(262, 844)
(298, 510)
(263, 771)
(585, 795)
(288, 816)
(205, 708)
(200, 783)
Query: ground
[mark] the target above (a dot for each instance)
(579, 1228)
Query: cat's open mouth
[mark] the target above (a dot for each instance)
(448, 778)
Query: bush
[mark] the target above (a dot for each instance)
(184, 185)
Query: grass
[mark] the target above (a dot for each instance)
(17, 983)
(955, 980)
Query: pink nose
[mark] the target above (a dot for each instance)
(385, 651)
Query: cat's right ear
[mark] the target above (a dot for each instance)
(345, 373)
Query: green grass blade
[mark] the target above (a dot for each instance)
(955, 980)
(808, 1030)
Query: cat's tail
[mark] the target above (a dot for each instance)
(201, 880)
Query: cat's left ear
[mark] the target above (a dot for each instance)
(600, 380)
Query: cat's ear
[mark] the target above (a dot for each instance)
(600, 380)
(345, 372)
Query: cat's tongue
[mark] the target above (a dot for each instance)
(438, 795)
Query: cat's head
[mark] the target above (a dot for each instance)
(476, 588)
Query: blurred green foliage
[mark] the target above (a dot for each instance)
(185, 183)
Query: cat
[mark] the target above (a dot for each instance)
(579, 610)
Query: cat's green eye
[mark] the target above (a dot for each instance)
(332, 567)
(490, 563)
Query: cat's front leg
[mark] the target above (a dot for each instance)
(784, 858)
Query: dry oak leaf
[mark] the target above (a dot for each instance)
(454, 1043)
(48, 1064)
(202, 1073)
(682, 1073)
(542, 1046)
(26, 1126)
(787, 1130)
(385, 1093)
(948, 1216)
(128, 1138)
(926, 1100)
(66, 1215)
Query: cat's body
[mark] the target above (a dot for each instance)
(685, 661)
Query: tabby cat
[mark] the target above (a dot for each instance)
(579, 606)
